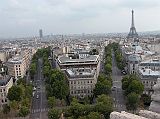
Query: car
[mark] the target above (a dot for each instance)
(114, 88)
(37, 96)
(123, 72)
(34, 88)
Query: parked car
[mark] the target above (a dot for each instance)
(123, 72)
(114, 88)
(37, 96)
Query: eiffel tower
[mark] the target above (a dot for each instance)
(132, 34)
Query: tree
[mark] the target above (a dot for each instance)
(94, 115)
(32, 69)
(101, 77)
(54, 114)
(94, 52)
(21, 81)
(135, 86)
(102, 87)
(24, 111)
(108, 68)
(104, 105)
(57, 85)
(103, 109)
(14, 105)
(28, 91)
(6, 109)
(132, 101)
(146, 99)
(51, 101)
(15, 93)
(104, 99)
(131, 83)
(46, 70)
(25, 102)
(82, 117)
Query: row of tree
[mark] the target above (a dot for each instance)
(108, 59)
(20, 99)
(118, 55)
(56, 83)
(103, 85)
(101, 110)
(43, 52)
(133, 89)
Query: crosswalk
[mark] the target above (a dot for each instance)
(39, 110)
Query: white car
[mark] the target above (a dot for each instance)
(37, 96)
(34, 88)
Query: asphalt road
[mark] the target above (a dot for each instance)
(39, 102)
(117, 92)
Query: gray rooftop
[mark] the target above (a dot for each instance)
(4, 80)
(80, 73)
(150, 63)
(16, 60)
(91, 58)
(134, 58)
(146, 73)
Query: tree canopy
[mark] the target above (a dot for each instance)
(15, 93)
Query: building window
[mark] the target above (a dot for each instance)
(4, 90)
(19, 65)
(0, 90)
(5, 100)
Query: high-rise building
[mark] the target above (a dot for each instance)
(40, 33)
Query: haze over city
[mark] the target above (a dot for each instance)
(22, 18)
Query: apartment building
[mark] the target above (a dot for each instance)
(149, 78)
(82, 71)
(18, 65)
(81, 81)
(6, 82)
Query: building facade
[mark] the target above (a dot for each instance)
(82, 74)
(81, 82)
(6, 82)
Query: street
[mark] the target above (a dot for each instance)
(117, 92)
(39, 101)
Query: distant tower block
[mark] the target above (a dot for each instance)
(40, 33)
(132, 33)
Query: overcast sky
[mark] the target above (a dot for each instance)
(20, 18)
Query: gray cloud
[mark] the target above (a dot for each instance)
(25, 17)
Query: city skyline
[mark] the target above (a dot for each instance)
(24, 18)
